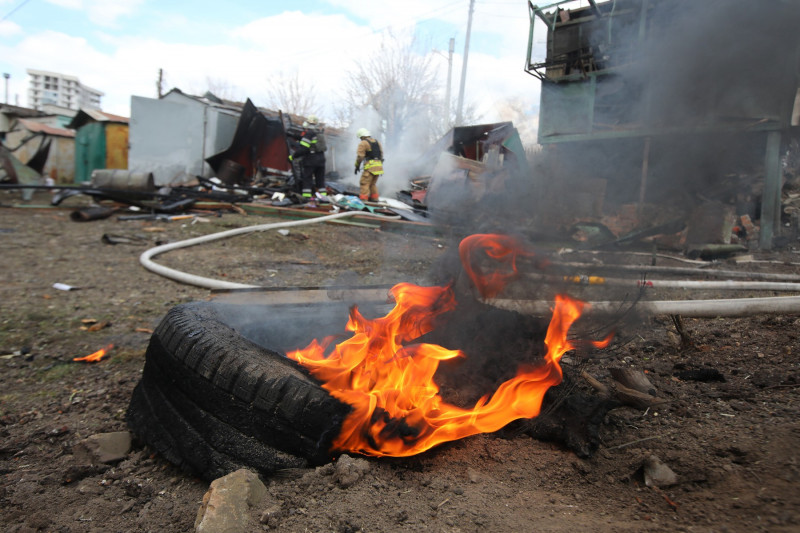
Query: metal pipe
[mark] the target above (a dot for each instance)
(643, 269)
(737, 307)
(771, 198)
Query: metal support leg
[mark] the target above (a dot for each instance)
(771, 197)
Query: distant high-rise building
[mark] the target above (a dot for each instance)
(60, 90)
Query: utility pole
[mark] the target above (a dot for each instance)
(464, 66)
(6, 75)
(160, 82)
(449, 81)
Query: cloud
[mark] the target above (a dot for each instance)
(105, 13)
(9, 29)
(405, 14)
(321, 48)
(68, 4)
(322, 44)
(55, 51)
(101, 12)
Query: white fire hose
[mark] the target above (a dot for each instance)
(688, 308)
(209, 283)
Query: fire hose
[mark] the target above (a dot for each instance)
(689, 308)
(190, 279)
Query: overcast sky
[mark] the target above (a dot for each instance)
(118, 46)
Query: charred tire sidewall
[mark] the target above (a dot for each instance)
(211, 401)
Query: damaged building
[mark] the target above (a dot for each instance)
(668, 110)
(464, 167)
(172, 136)
(47, 149)
(180, 137)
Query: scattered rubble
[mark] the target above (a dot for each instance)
(657, 474)
(731, 469)
(228, 501)
(103, 448)
(348, 470)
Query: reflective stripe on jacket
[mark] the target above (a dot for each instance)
(374, 166)
(370, 151)
(309, 143)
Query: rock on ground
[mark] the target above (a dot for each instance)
(228, 501)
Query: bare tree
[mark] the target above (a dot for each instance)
(287, 92)
(221, 88)
(401, 86)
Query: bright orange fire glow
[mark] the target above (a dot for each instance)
(397, 409)
(96, 356)
(503, 249)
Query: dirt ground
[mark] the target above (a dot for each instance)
(734, 444)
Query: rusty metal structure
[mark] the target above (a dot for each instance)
(101, 142)
(31, 140)
(652, 78)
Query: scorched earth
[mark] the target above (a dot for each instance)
(732, 444)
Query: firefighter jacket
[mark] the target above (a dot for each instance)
(312, 142)
(371, 152)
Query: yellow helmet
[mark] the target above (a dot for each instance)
(362, 132)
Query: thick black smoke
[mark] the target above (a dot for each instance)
(692, 87)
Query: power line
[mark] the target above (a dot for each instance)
(496, 15)
(14, 10)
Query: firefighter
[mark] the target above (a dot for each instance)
(370, 152)
(311, 152)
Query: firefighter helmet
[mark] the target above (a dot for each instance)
(362, 132)
(312, 119)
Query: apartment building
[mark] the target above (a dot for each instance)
(60, 90)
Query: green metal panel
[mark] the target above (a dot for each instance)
(566, 109)
(90, 150)
(636, 77)
(771, 199)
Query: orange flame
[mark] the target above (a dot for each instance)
(504, 249)
(397, 409)
(96, 356)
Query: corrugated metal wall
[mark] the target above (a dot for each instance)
(100, 145)
(117, 146)
(172, 137)
(61, 159)
(90, 150)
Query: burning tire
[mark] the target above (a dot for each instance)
(211, 401)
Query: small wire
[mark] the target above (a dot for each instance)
(14, 10)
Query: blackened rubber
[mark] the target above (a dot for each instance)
(211, 401)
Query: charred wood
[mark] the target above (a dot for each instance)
(571, 417)
(633, 379)
(686, 340)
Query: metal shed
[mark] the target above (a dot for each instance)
(101, 141)
(174, 135)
